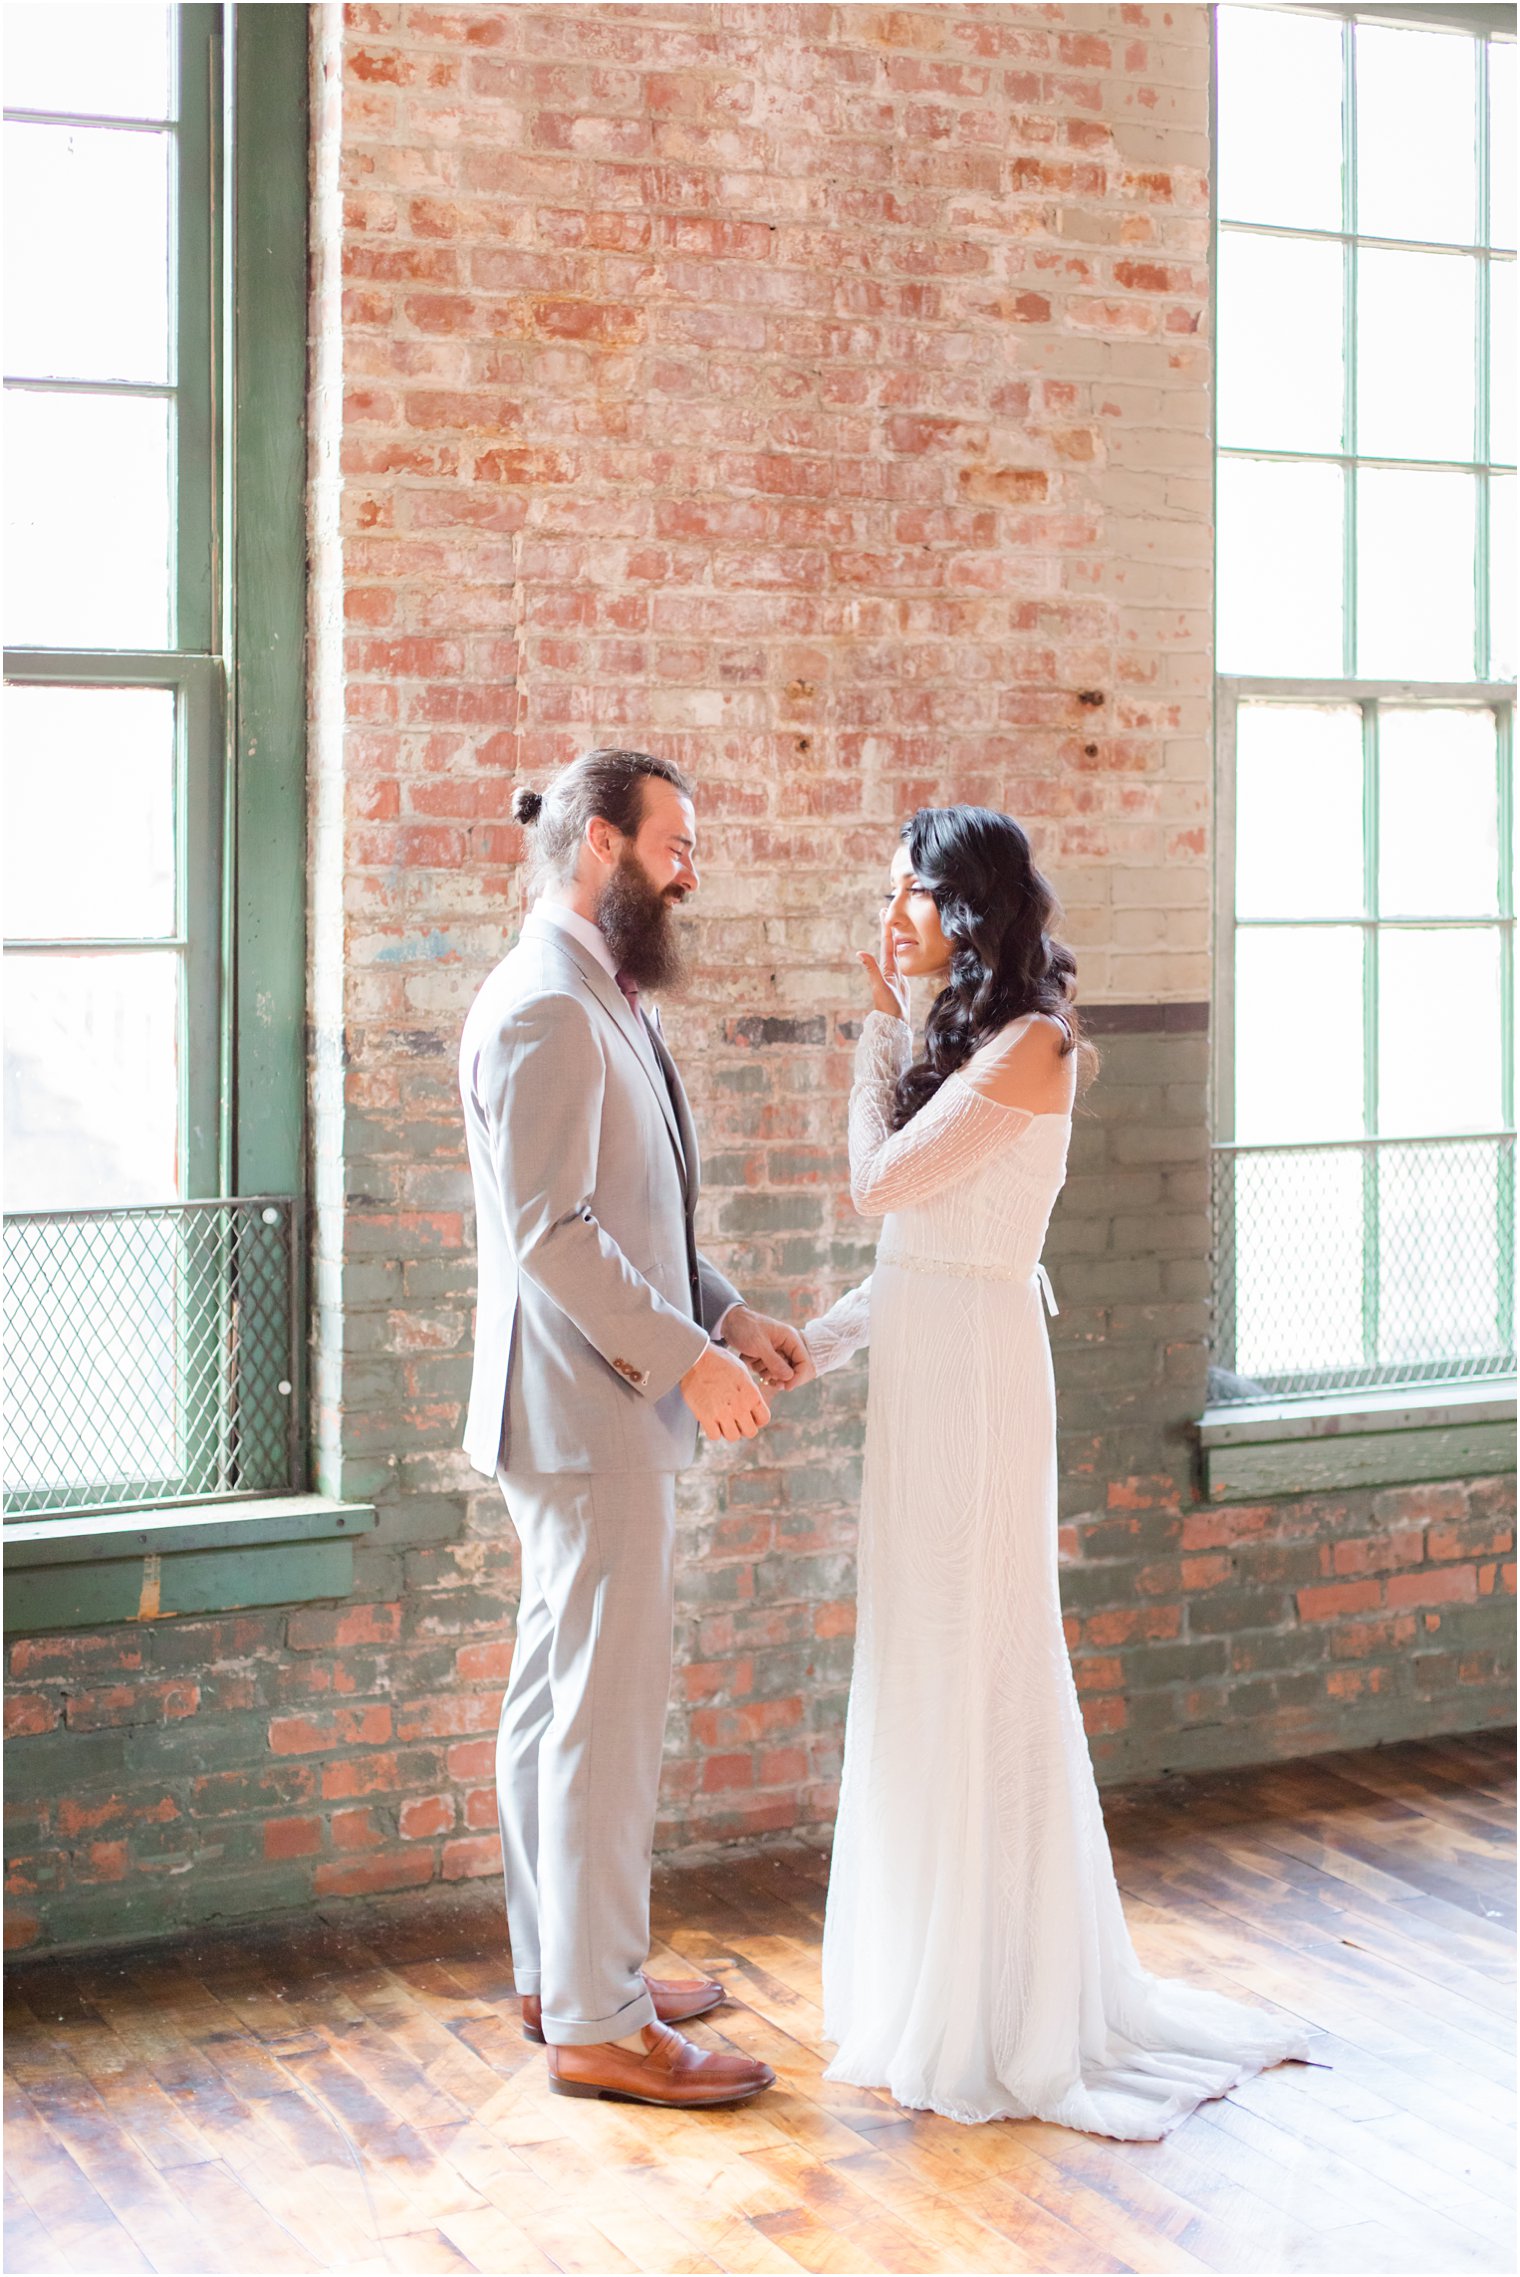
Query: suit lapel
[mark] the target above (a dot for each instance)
(634, 1032)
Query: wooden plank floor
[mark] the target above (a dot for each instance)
(351, 2091)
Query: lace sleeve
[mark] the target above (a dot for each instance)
(953, 1135)
(838, 1334)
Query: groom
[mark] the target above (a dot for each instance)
(604, 1340)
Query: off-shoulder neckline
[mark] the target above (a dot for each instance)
(1006, 1107)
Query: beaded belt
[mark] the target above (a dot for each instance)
(964, 1268)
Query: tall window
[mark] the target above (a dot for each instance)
(1365, 642)
(151, 1350)
(113, 707)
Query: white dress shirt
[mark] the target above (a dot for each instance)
(591, 937)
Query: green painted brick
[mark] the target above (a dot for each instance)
(815, 1579)
(1114, 1279)
(771, 1213)
(437, 1280)
(410, 1521)
(1263, 1651)
(371, 1281)
(464, 1611)
(1101, 1195)
(200, 1743)
(1161, 1233)
(1089, 1589)
(1138, 1534)
(1158, 1664)
(378, 1575)
(756, 1490)
(1298, 1688)
(1113, 1103)
(1134, 1142)
(1289, 1565)
(1075, 1237)
(810, 1485)
(1164, 1322)
(57, 1762)
(250, 1892)
(1114, 1367)
(1212, 1612)
(111, 1914)
(1159, 1713)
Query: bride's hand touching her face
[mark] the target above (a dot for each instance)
(889, 987)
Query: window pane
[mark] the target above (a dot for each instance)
(1416, 139)
(89, 799)
(1298, 1032)
(1417, 332)
(90, 205)
(1281, 345)
(1440, 1250)
(1298, 814)
(1298, 1263)
(1275, 67)
(1415, 589)
(1438, 1031)
(91, 1080)
(1438, 814)
(87, 508)
(1501, 365)
(1501, 142)
(108, 62)
(1279, 594)
(1501, 577)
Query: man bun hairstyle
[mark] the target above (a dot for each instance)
(606, 782)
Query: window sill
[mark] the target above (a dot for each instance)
(1253, 1452)
(150, 1565)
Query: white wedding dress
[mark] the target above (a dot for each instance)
(976, 1959)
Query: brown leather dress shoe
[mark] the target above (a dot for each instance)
(672, 2072)
(673, 2003)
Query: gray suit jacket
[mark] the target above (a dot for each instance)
(594, 1300)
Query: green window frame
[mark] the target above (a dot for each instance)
(235, 664)
(1477, 25)
(1377, 1148)
(1381, 1375)
(191, 666)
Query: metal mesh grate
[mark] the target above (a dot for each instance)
(150, 1354)
(1372, 1264)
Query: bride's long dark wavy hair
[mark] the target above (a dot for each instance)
(996, 911)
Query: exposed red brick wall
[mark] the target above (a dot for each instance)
(819, 396)
(1325, 1620)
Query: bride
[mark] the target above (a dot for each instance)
(976, 1959)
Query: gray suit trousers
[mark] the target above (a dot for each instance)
(581, 1737)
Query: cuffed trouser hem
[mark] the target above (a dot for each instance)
(524, 1981)
(575, 2032)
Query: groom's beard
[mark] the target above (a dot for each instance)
(638, 923)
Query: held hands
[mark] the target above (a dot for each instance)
(889, 988)
(723, 1397)
(719, 1389)
(773, 1349)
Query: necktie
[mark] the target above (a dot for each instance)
(653, 1038)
